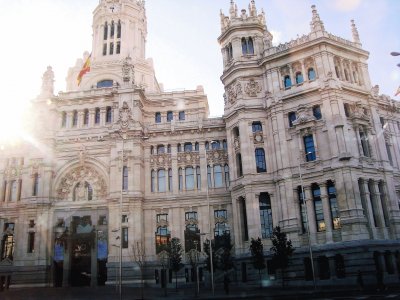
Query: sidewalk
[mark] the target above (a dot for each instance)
(109, 293)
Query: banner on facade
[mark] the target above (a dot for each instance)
(102, 249)
(59, 252)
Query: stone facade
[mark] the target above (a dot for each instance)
(117, 164)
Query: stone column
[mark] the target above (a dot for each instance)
(312, 226)
(327, 212)
(91, 117)
(80, 119)
(253, 216)
(303, 71)
(7, 193)
(370, 213)
(103, 116)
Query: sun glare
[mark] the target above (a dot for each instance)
(12, 123)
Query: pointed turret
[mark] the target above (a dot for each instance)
(316, 24)
(233, 10)
(47, 83)
(356, 36)
(252, 9)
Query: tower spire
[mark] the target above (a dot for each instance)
(252, 9)
(354, 31)
(233, 10)
(316, 23)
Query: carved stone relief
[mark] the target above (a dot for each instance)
(252, 88)
(125, 116)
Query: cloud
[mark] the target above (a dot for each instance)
(347, 5)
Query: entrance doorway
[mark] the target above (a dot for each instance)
(81, 260)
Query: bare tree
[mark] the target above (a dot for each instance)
(139, 256)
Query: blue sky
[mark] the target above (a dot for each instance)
(182, 40)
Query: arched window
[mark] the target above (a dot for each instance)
(303, 212)
(317, 112)
(160, 149)
(318, 208)
(153, 180)
(63, 119)
(198, 178)
(311, 74)
(291, 117)
(108, 114)
(250, 47)
(265, 215)
(333, 205)
(215, 145)
(125, 178)
(104, 83)
(180, 182)
(179, 148)
(82, 191)
(189, 178)
(157, 117)
(119, 29)
(227, 179)
(86, 117)
(244, 46)
(13, 190)
(196, 146)
(97, 116)
(207, 146)
(168, 148)
(260, 160)
(239, 169)
(118, 48)
(256, 126)
(105, 31)
(224, 145)
(112, 29)
(209, 181)
(35, 187)
(170, 116)
(299, 78)
(188, 147)
(75, 118)
(309, 148)
(236, 132)
(170, 180)
(161, 180)
(229, 53)
(287, 81)
(218, 176)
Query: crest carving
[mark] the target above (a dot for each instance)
(125, 116)
(252, 88)
(233, 92)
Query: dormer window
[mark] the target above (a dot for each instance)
(247, 46)
(104, 83)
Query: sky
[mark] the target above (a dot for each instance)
(182, 40)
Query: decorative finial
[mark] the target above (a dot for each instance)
(48, 83)
(354, 31)
(252, 9)
(316, 23)
(233, 10)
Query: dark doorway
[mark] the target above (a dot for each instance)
(163, 278)
(102, 272)
(81, 261)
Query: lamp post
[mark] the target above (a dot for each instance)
(307, 221)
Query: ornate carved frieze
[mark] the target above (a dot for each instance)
(81, 174)
(162, 223)
(189, 158)
(220, 220)
(303, 115)
(161, 160)
(216, 157)
(258, 138)
(191, 222)
(252, 88)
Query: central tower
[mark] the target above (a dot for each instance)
(118, 49)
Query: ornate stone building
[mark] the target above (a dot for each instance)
(116, 164)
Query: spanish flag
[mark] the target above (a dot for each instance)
(398, 92)
(84, 70)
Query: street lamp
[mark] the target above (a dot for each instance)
(307, 220)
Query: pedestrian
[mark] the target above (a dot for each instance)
(360, 282)
(226, 284)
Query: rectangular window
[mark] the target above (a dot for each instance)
(170, 116)
(333, 206)
(364, 144)
(265, 215)
(104, 49)
(97, 116)
(319, 211)
(292, 118)
(209, 181)
(218, 176)
(124, 178)
(108, 114)
(158, 117)
(181, 116)
(111, 48)
(317, 112)
(189, 178)
(303, 212)
(245, 230)
(118, 50)
(31, 242)
(309, 148)
(124, 237)
(170, 180)
(180, 178)
(198, 178)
